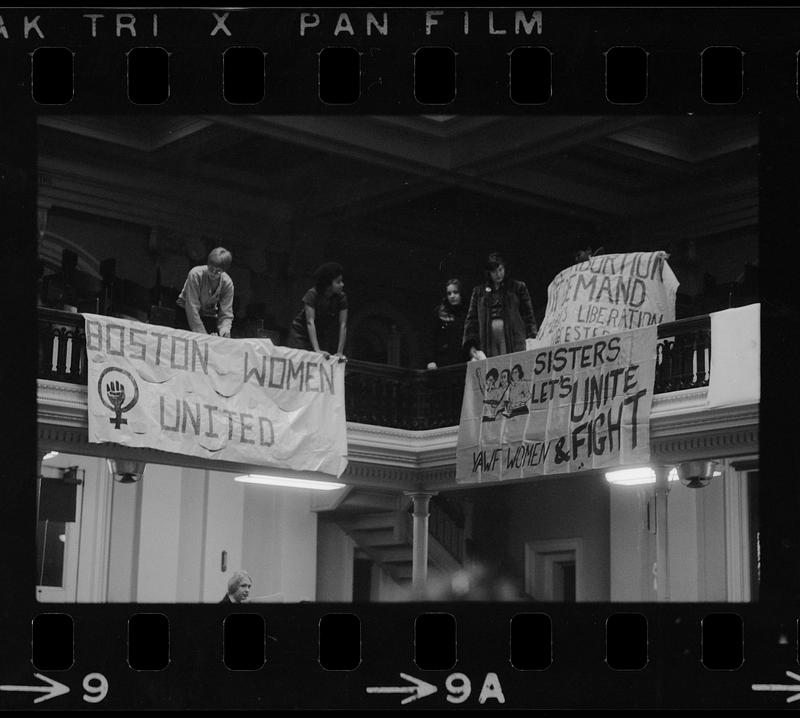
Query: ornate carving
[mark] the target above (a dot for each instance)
(716, 444)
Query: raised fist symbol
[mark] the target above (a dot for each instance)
(116, 394)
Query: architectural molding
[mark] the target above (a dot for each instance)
(107, 193)
(680, 400)
(715, 419)
(714, 444)
(402, 447)
(682, 428)
(61, 403)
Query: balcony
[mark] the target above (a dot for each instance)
(395, 397)
(402, 424)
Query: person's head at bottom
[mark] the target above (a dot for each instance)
(239, 586)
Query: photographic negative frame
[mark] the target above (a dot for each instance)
(411, 127)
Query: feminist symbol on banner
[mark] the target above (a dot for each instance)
(116, 392)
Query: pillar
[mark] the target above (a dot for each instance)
(662, 532)
(419, 567)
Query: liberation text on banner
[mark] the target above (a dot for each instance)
(558, 409)
(243, 400)
(607, 294)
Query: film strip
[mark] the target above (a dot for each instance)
(273, 100)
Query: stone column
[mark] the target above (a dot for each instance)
(662, 532)
(419, 568)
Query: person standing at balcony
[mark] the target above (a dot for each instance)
(207, 296)
(500, 318)
(449, 326)
(321, 325)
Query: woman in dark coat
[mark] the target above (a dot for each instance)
(449, 326)
(500, 316)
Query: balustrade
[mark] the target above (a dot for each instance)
(445, 530)
(377, 394)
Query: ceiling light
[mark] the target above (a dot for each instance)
(636, 477)
(126, 471)
(697, 474)
(289, 483)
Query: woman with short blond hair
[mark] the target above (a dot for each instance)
(207, 296)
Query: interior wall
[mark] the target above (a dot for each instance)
(224, 520)
(124, 542)
(190, 529)
(335, 553)
(696, 536)
(161, 539)
(280, 543)
(712, 570)
(159, 535)
(298, 532)
(632, 544)
(507, 517)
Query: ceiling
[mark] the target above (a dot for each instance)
(431, 180)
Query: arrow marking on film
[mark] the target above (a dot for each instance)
(50, 691)
(420, 689)
(793, 687)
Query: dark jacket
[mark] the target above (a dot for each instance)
(449, 333)
(518, 318)
(226, 599)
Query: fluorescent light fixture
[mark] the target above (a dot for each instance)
(50, 455)
(637, 476)
(289, 483)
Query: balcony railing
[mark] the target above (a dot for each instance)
(396, 397)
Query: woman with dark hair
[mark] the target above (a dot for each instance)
(321, 325)
(500, 317)
(491, 393)
(449, 327)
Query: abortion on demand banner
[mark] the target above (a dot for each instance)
(607, 294)
(243, 400)
(559, 409)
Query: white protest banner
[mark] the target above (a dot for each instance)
(607, 294)
(243, 400)
(559, 409)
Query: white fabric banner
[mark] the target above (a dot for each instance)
(558, 409)
(244, 400)
(735, 374)
(607, 294)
